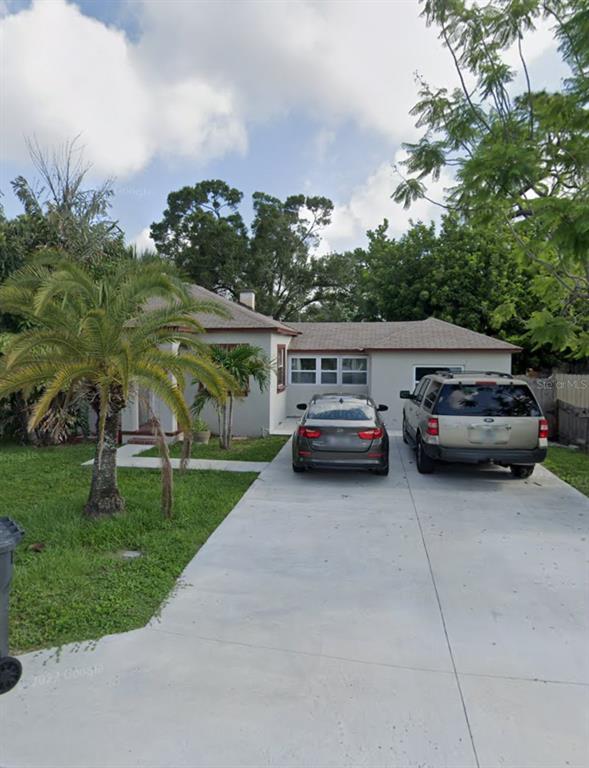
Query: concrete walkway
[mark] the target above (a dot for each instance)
(342, 620)
(128, 455)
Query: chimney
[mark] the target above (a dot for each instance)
(247, 297)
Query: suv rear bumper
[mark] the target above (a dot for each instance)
(476, 455)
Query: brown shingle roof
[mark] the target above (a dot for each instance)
(414, 334)
(240, 317)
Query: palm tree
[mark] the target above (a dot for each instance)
(244, 363)
(106, 335)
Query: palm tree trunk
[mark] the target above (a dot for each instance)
(105, 498)
(230, 423)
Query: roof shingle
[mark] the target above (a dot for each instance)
(412, 334)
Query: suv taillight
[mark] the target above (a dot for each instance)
(433, 427)
(543, 429)
(309, 433)
(371, 434)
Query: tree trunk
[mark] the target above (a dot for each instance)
(105, 498)
(229, 427)
(225, 434)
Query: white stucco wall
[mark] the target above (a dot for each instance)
(252, 415)
(393, 371)
(278, 400)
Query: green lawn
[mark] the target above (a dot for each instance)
(78, 587)
(246, 449)
(571, 466)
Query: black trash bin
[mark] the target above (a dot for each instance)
(10, 535)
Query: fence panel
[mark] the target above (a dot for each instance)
(573, 425)
(572, 388)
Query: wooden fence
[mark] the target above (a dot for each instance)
(564, 398)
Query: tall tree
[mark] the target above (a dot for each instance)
(65, 213)
(203, 232)
(520, 161)
(97, 334)
(461, 274)
(281, 265)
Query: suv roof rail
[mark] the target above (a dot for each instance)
(452, 374)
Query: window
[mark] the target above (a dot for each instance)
(419, 390)
(354, 370)
(487, 400)
(328, 409)
(333, 371)
(303, 370)
(329, 370)
(431, 395)
(280, 367)
(425, 370)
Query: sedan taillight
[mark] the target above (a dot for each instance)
(371, 434)
(309, 433)
(543, 429)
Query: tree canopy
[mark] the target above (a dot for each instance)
(203, 232)
(520, 161)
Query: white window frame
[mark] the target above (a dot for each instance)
(339, 371)
(457, 367)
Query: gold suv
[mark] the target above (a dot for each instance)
(473, 417)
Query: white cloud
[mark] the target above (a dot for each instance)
(65, 74)
(370, 203)
(143, 241)
(198, 73)
(336, 60)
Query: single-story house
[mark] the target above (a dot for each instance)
(374, 358)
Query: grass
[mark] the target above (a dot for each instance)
(571, 466)
(244, 449)
(78, 587)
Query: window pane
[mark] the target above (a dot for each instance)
(304, 364)
(329, 377)
(303, 377)
(329, 363)
(354, 377)
(354, 364)
(426, 370)
(348, 410)
(487, 400)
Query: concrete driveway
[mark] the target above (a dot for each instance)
(343, 620)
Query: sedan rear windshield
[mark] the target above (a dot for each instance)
(486, 400)
(347, 410)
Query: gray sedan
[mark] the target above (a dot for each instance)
(341, 431)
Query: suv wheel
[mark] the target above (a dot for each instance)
(297, 468)
(425, 464)
(520, 471)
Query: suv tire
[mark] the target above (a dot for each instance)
(522, 471)
(297, 469)
(405, 436)
(425, 464)
(384, 471)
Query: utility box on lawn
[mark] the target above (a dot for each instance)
(10, 535)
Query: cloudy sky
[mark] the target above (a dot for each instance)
(282, 97)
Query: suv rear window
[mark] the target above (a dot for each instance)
(344, 411)
(487, 400)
